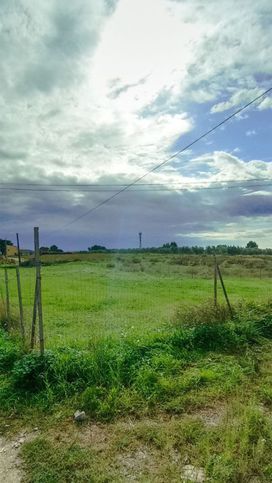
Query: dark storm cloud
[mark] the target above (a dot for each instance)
(160, 216)
(253, 205)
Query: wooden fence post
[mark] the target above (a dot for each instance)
(34, 317)
(18, 248)
(215, 283)
(7, 298)
(20, 303)
(39, 289)
(224, 289)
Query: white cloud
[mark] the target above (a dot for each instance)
(224, 166)
(81, 89)
(265, 104)
(251, 132)
(89, 93)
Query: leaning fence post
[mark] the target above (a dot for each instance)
(20, 303)
(215, 283)
(7, 298)
(224, 289)
(39, 291)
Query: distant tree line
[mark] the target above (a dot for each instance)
(52, 249)
(250, 249)
(97, 248)
(171, 247)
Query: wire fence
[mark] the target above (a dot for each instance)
(125, 295)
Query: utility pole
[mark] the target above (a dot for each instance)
(140, 240)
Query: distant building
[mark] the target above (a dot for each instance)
(12, 251)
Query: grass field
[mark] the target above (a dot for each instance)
(130, 295)
(173, 389)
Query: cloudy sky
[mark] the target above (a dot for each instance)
(95, 93)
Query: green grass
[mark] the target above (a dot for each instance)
(127, 344)
(188, 364)
(126, 296)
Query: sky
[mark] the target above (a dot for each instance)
(96, 93)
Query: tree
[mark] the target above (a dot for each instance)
(251, 244)
(3, 244)
(44, 250)
(55, 249)
(170, 245)
(96, 248)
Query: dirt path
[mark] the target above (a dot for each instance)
(9, 461)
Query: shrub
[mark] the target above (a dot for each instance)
(215, 336)
(31, 371)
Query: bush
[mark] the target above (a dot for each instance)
(215, 336)
(31, 371)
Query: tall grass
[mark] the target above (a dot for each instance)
(166, 370)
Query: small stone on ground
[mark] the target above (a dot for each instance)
(191, 473)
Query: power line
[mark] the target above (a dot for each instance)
(154, 190)
(10, 185)
(206, 133)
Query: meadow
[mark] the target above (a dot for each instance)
(173, 388)
(87, 297)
